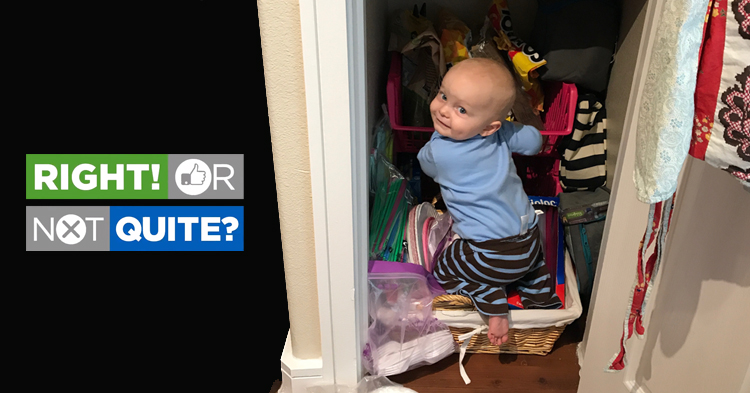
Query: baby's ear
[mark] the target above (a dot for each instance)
(491, 128)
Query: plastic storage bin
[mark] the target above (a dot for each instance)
(559, 103)
(540, 174)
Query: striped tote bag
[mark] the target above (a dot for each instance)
(583, 152)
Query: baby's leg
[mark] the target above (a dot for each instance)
(498, 329)
(492, 303)
(490, 300)
(537, 288)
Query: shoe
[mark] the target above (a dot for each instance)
(426, 211)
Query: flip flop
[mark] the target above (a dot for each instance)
(426, 210)
(417, 231)
(411, 236)
(439, 237)
(428, 224)
(405, 257)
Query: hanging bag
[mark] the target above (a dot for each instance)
(583, 152)
(583, 214)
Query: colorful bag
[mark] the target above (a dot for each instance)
(522, 110)
(525, 59)
(583, 152)
(455, 38)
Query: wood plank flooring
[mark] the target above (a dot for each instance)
(557, 372)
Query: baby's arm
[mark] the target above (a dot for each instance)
(523, 139)
(426, 161)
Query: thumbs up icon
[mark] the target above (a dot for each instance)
(196, 177)
(192, 177)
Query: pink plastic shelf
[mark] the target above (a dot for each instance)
(559, 103)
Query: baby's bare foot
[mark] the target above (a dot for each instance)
(498, 329)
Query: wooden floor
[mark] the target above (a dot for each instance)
(556, 372)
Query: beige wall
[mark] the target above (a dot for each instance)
(627, 222)
(287, 117)
(697, 338)
(621, 79)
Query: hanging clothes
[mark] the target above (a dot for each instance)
(666, 111)
(696, 101)
(663, 135)
(721, 127)
(660, 216)
(583, 152)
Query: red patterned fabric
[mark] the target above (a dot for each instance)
(660, 217)
(709, 77)
(721, 137)
(742, 14)
(721, 125)
(734, 115)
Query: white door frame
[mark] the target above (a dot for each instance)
(334, 67)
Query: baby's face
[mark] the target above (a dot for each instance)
(464, 107)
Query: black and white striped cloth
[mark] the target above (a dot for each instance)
(583, 162)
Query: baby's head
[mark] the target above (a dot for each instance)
(474, 99)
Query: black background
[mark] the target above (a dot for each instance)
(184, 78)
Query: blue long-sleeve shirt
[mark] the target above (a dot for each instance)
(479, 182)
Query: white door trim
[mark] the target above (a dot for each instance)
(333, 56)
(313, 100)
(356, 32)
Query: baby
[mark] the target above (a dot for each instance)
(470, 156)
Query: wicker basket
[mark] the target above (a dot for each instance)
(536, 341)
(533, 341)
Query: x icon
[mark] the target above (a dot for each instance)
(70, 229)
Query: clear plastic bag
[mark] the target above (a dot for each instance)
(403, 334)
(422, 67)
(405, 25)
(392, 199)
(382, 141)
(368, 384)
(441, 236)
